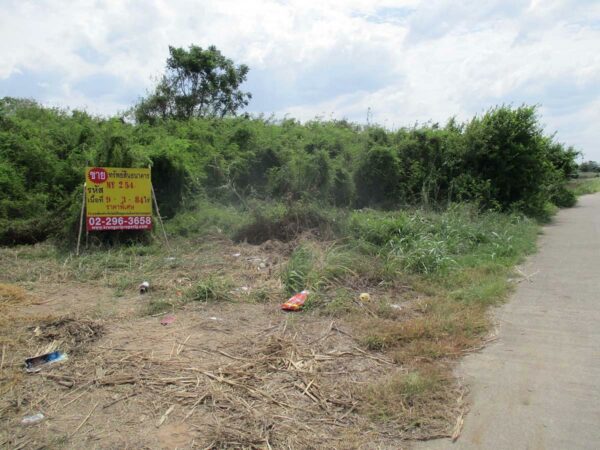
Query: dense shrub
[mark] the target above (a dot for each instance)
(501, 160)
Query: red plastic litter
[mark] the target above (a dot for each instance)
(296, 302)
(167, 320)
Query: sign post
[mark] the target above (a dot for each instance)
(81, 219)
(117, 198)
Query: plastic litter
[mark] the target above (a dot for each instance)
(31, 420)
(36, 363)
(167, 320)
(365, 297)
(240, 290)
(144, 287)
(296, 302)
(393, 305)
(236, 255)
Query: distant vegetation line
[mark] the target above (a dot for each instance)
(501, 161)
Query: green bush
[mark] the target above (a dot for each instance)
(563, 197)
(379, 177)
(501, 160)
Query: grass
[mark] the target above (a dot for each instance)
(157, 306)
(205, 219)
(406, 390)
(212, 289)
(461, 261)
(584, 186)
(431, 277)
(457, 263)
(418, 403)
(483, 249)
(11, 295)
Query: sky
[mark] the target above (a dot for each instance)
(399, 61)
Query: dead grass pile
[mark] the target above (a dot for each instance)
(11, 295)
(24, 337)
(69, 333)
(278, 390)
(286, 227)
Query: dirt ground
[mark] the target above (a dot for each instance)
(232, 374)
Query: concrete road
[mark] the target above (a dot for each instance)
(538, 386)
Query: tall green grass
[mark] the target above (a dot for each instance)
(584, 186)
(462, 253)
(436, 242)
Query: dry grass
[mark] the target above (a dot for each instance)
(23, 337)
(439, 325)
(11, 295)
(342, 374)
(420, 404)
(424, 337)
(282, 387)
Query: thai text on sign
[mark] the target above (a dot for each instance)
(118, 198)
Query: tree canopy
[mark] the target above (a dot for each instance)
(197, 83)
(589, 166)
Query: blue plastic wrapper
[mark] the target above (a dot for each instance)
(37, 362)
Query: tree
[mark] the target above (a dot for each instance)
(589, 166)
(197, 83)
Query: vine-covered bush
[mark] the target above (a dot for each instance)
(501, 160)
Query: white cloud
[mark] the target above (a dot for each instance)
(408, 60)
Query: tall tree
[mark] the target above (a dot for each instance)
(197, 83)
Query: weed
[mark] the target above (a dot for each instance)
(415, 402)
(584, 186)
(157, 306)
(205, 218)
(260, 295)
(123, 284)
(296, 273)
(374, 342)
(342, 302)
(211, 289)
(284, 223)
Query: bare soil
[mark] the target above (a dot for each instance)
(232, 374)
